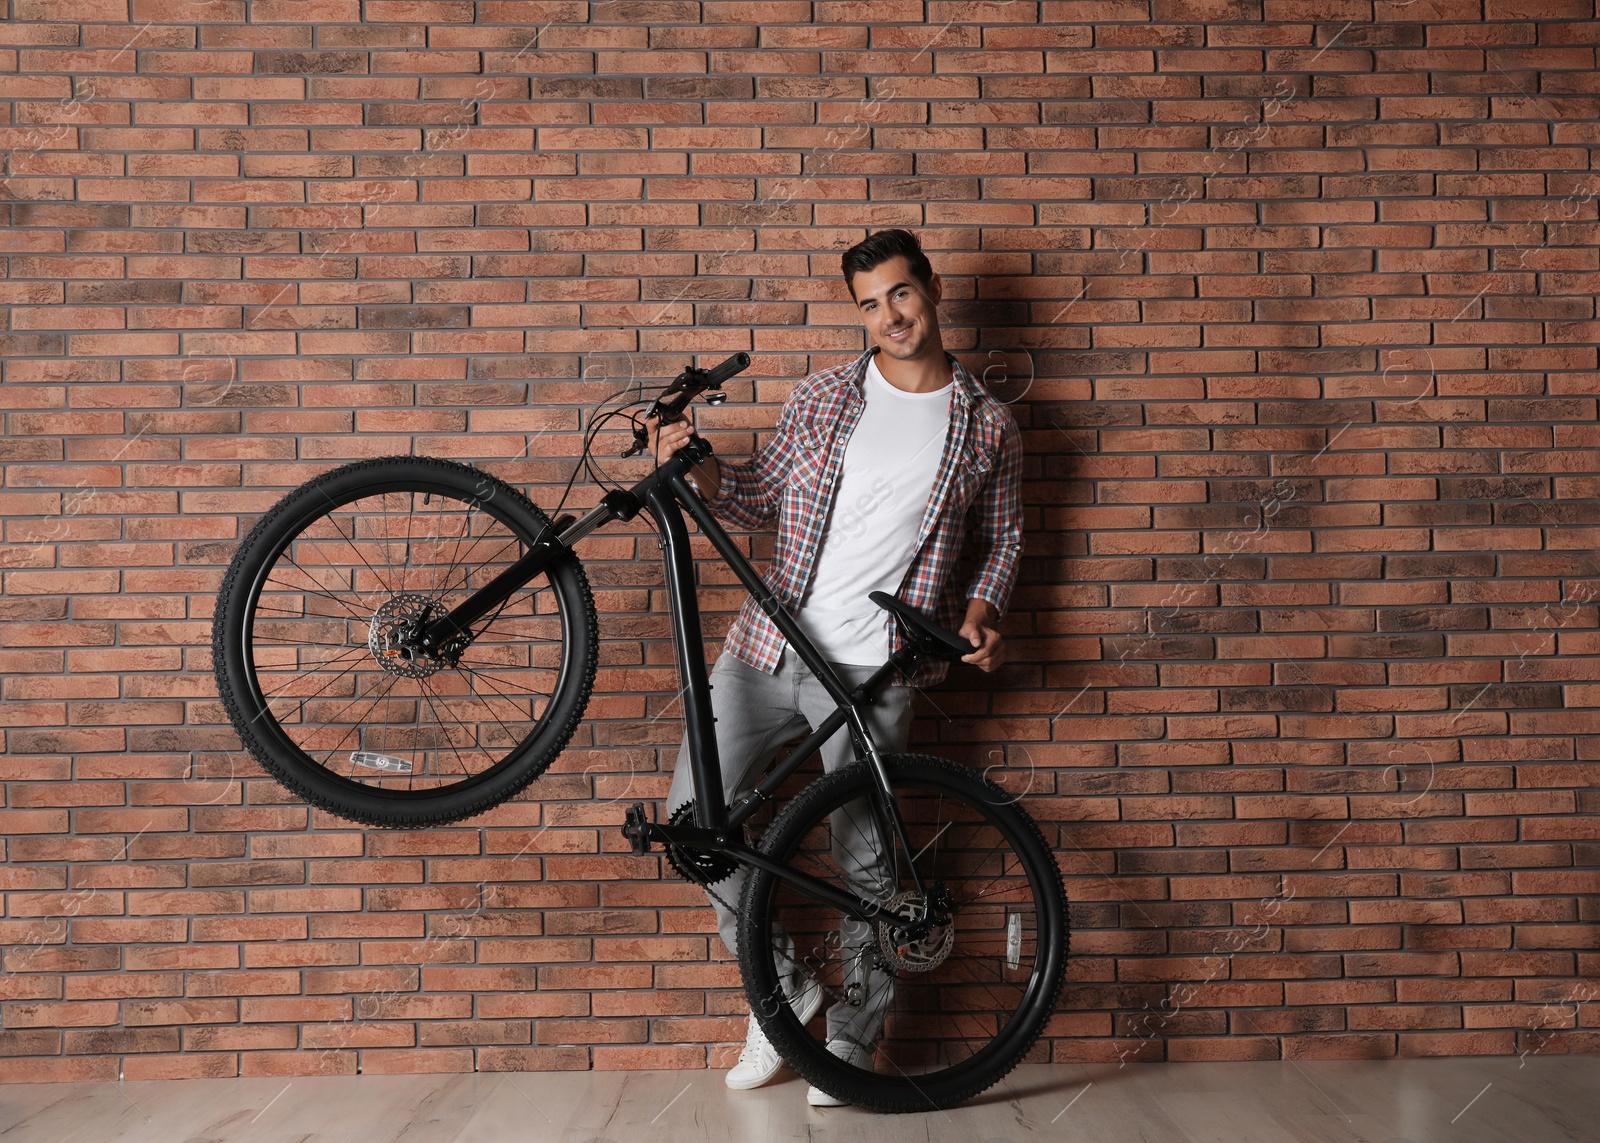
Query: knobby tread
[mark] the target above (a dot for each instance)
(393, 813)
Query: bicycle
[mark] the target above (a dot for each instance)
(408, 641)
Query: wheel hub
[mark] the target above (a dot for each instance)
(922, 943)
(395, 638)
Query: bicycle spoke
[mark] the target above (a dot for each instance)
(386, 682)
(479, 674)
(428, 691)
(445, 589)
(354, 547)
(515, 702)
(354, 663)
(934, 842)
(509, 734)
(455, 557)
(319, 590)
(263, 640)
(405, 568)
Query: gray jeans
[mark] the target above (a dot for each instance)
(757, 712)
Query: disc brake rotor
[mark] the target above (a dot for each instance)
(392, 637)
(925, 951)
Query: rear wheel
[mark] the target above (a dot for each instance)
(945, 989)
(317, 658)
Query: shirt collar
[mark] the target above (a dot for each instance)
(965, 389)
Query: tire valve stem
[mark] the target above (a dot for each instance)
(1014, 940)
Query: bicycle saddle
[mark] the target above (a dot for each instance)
(928, 637)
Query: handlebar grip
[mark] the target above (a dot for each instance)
(738, 363)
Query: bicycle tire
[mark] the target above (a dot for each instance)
(939, 1045)
(262, 648)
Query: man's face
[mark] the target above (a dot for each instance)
(892, 301)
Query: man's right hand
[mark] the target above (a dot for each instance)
(665, 440)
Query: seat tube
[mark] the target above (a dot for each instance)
(711, 803)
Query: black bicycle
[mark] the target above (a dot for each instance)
(409, 641)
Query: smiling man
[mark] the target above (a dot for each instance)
(876, 467)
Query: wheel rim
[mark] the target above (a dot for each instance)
(967, 990)
(326, 655)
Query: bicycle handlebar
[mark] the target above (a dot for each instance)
(738, 363)
(687, 385)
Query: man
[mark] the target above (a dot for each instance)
(871, 475)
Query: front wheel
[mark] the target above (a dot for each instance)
(939, 991)
(322, 670)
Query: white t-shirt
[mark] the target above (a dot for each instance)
(871, 533)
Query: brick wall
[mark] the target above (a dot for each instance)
(1295, 305)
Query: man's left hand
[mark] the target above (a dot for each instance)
(981, 630)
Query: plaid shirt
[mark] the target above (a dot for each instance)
(792, 479)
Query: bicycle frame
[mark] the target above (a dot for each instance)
(666, 494)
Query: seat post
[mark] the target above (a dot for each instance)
(902, 660)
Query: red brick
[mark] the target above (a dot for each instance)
(70, 1014)
(363, 1034)
(533, 1059)
(181, 956)
(46, 1069)
(81, 986)
(537, 1004)
(442, 1034)
(147, 1012)
(291, 1063)
(1456, 1044)
(391, 1062)
(326, 981)
(662, 1057)
(274, 1009)
(190, 1065)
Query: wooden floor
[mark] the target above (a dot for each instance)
(1476, 1100)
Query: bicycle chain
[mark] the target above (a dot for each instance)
(698, 867)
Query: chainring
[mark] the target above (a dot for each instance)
(697, 865)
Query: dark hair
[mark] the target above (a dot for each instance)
(876, 249)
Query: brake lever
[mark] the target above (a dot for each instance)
(641, 436)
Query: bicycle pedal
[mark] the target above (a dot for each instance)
(636, 828)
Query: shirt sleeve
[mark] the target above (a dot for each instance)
(750, 491)
(999, 522)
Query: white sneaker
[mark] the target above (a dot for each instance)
(851, 1053)
(760, 1061)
